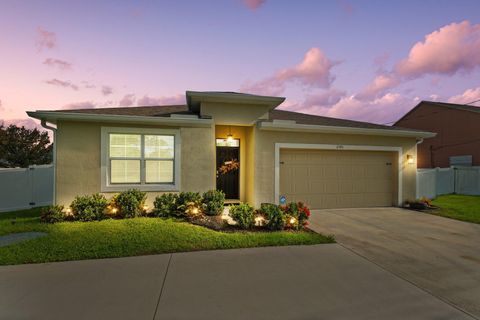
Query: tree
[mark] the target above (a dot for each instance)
(22, 147)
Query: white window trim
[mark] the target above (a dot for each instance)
(279, 146)
(104, 145)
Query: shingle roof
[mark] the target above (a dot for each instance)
(464, 107)
(454, 106)
(299, 118)
(149, 111)
(303, 118)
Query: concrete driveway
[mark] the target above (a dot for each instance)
(439, 255)
(302, 282)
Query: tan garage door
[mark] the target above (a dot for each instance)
(338, 179)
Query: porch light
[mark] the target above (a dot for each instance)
(410, 159)
(229, 135)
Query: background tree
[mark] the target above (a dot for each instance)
(22, 147)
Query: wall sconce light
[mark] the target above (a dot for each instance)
(410, 159)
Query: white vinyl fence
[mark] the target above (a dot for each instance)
(23, 188)
(438, 181)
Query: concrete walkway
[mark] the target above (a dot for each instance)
(303, 282)
(439, 255)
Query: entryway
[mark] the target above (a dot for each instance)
(228, 167)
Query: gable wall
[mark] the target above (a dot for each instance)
(457, 131)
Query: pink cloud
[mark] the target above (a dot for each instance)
(313, 71)
(28, 123)
(451, 49)
(337, 104)
(380, 84)
(384, 109)
(60, 64)
(253, 4)
(61, 83)
(80, 105)
(159, 101)
(106, 90)
(1, 106)
(468, 96)
(127, 100)
(45, 39)
(88, 85)
(317, 101)
(346, 6)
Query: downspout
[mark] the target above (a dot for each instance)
(54, 130)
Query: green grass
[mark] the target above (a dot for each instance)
(129, 237)
(460, 207)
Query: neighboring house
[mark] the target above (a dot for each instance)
(458, 133)
(235, 142)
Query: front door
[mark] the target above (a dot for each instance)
(228, 171)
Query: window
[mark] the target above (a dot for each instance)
(147, 159)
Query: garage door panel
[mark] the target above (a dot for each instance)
(338, 179)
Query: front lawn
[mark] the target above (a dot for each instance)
(460, 207)
(128, 237)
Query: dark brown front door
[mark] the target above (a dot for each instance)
(228, 171)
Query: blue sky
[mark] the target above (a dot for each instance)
(350, 59)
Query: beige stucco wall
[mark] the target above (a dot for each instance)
(265, 157)
(234, 114)
(79, 159)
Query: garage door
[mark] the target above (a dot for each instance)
(338, 179)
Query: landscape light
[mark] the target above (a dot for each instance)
(259, 220)
(292, 220)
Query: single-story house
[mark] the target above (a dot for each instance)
(235, 142)
(458, 139)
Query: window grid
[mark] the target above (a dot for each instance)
(142, 160)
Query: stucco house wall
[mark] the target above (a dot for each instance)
(265, 157)
(78, 168)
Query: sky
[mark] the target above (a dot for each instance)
(362, 60)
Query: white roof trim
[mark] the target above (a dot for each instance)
(53, 117)
(273, 126)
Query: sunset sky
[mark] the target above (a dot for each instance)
(363, 60)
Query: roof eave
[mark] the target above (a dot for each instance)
(54, 117)
(344, 130)
(194, 97)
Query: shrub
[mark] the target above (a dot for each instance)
(165, 205)
(296, 215)
(130, 203)
(53, 214)
(274, 215)
(213, 202)
(243, 215)
(187, 200)
(90, 207)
